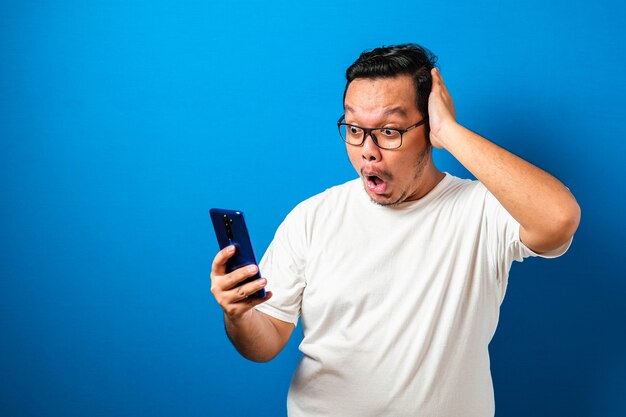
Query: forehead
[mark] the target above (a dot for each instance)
(381, 96)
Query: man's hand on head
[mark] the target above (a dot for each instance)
(441, 111)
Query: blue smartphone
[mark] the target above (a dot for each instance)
(230, 229)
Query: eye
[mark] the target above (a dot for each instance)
(389, 133)
(355, 130)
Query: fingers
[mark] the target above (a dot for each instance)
(436, 75)
(235, 310)
(226, 282)
(231, 290)
(218, 270)
(438, 82)
(234, 297)
(440, 92)
(237, 301)
(441, 111)
(231, 280)
(243, 291)
(219, 262)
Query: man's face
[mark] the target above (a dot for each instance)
(390, 176)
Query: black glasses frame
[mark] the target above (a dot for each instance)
(368, 131)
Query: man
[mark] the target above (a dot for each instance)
(398, 299)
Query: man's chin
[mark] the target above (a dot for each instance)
(385, 200)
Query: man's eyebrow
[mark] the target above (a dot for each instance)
(387, 112)
(395, 110)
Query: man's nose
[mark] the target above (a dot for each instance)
(369, 150)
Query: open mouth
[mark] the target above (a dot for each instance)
(375, 184)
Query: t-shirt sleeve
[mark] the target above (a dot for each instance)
(283, 267)
(504, 233)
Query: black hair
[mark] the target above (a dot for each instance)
(391, 61)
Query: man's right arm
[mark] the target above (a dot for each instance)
(257, 336)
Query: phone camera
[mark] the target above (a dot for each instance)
(227, 225)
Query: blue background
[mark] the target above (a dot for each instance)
(123, 122)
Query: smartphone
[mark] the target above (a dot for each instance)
(230, 229)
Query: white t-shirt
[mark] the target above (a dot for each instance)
(398, 304)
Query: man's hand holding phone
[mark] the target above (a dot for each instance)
(238, 287)
(227, 288)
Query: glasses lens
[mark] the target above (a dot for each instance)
(388, 138)
(351, 134)
(384, 138)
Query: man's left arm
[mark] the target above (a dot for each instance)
(547, 212)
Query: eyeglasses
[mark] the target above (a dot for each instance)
(383, 137)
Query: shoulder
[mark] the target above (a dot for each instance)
(330, 203)
(454, 188)
(329, 199)
(462, 199)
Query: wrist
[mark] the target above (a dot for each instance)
(445, 134)
(236, 318)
